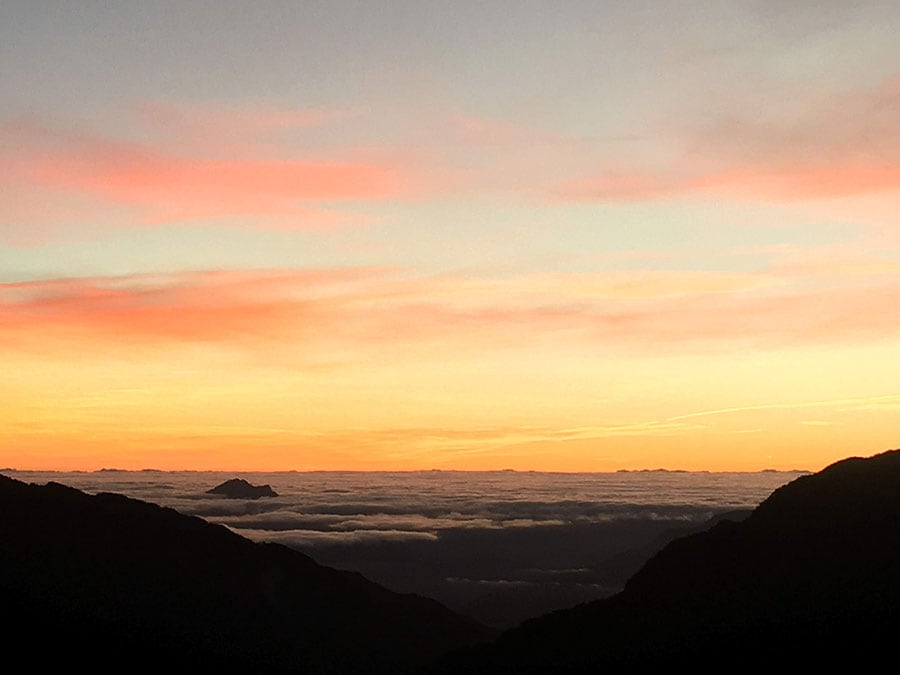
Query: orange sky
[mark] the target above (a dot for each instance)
(373, 369)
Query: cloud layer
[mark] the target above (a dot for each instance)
(522, 542)
(836, 298)
(154, 183)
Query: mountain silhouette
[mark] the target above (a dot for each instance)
(238, 488)
(508, 605)
(114, 583)
(811, 578)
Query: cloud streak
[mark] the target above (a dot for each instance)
(377, 310)
(842, 145)
(153, 185)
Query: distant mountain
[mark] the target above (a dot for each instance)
(810, 579)
(238, 488)
(114, 583)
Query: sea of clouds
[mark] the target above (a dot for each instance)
(500, 546)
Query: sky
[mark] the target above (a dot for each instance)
(572, 236)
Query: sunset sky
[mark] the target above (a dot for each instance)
(569, 236)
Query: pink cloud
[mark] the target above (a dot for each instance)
(238, 308)
(773, 183)
(843, 144)
(383, 314)
(804, 182)
(160, 186)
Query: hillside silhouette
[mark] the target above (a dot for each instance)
(114, 583)
(508, 607)
(810, 579)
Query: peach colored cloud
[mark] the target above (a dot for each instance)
(843, 144)
(374, 313)
(161, 186)
(804, 182)
(774, 183)
(186, 307)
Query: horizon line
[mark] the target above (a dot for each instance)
(434, 470)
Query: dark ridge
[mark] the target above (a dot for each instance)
(618, 569)
(811, 579)
(508, 606)
(113, 584)
(238, 488)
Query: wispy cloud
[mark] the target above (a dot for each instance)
(147, 184)
(304, 538)
(861, 403)
(843, 144)
(824, 300)
(187, 307)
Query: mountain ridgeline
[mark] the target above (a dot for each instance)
(114, 583)
(811, 578)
